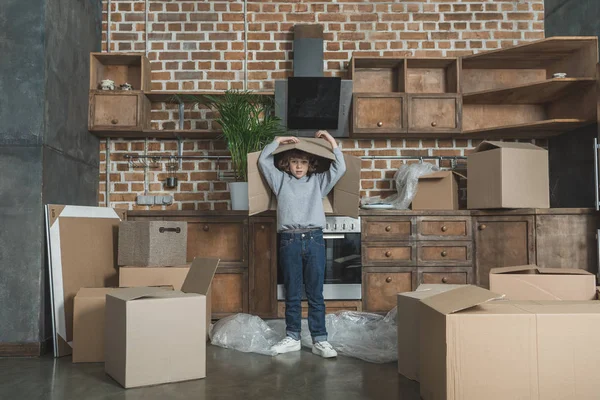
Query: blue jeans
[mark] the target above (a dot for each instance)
(303, 259)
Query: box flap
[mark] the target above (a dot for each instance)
(318, 147)
(128, 294)
(346, 198)
(259, 192)
(491, 145)
(93, 292)
(429, 289)
(563, 271)
(200, 275)
(460, 299)
(508, 270)
(436, 175)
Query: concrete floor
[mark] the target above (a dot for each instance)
(230, 375)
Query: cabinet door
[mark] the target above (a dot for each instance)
(378, 114)
(381, 286)
(115, 111)
(218, 238)
(263, 267)
(502, 242)
(229, 291)
(434, 113)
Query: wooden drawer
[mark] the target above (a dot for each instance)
(442, 228)
(394, 254)
(455, 278)
(380, 288)
(394, 228)
(433, 113)
(379, 113)
(122, 110)
(444, 253)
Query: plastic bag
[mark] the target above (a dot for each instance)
(406, 179)
(369, 337)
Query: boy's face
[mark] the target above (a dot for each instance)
(298, 167)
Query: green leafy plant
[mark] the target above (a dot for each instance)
(248, 122)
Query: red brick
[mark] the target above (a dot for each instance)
(300, 17)
(261, 66)
(204, 16)
(458, 17)
(173, 17)
(395, 17)
(426, 17)
(520, 16)
(363, 17)
(331, 18)
(413, 35)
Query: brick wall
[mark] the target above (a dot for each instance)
(199, 45)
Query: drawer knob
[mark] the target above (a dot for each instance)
(115, 121)
(444, 253)
(444, 228)
(482, 227)
(380, 124)
(205, 228)
(388, 228)
(444, 280)
(388, 279)
(388, 253)
(434, 123)
(262, 227)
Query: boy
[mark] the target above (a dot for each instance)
(300, 222)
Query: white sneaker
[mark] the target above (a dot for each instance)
(287, 345)
(324, 350)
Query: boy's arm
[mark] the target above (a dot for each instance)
(272, 174)
(328, 179)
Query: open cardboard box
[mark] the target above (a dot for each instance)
(475, 348)
(343, 200)
(530, 282)
(437, 191)
(155, 336)
(508, 175)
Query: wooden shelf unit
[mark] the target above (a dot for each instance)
(502, 93)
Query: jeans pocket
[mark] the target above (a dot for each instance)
(283, 243)
(318, 240)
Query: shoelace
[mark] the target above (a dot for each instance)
(288, 340)
(325, 345)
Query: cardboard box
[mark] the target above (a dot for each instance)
(408, 327)
(345, 196)
(169, 276)
(476, 348)
(437, 191)
(508, 175)
(157, 336)
(152, 243)
(530, 282)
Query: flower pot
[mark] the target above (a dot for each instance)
(239, 195)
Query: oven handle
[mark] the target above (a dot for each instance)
(333, 236)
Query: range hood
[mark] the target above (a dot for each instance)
(308, 101)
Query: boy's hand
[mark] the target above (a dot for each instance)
(327, 136)
(287, 139)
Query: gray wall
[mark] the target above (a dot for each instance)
(571, 154)
(47, 154)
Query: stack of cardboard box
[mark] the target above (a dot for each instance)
(465, 342)
(153, 328)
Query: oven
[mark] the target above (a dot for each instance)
(343, 267)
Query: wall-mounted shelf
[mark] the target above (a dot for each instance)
(538, 129)
(172, 96)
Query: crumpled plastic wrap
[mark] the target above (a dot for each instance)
(406, 179)
(369, 337)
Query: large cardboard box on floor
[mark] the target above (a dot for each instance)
(508, 175)
(169, 276)
(476, 348)
(344, 198)
(152, 243)
(530, 282)
(437, 191)
(158, 336)
(409, 329)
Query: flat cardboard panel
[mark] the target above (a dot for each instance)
(82, 244)
(408, 327)
(460, 299)
(163, 341)
(343, 200)
(508, 175)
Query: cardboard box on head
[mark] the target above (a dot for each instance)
(344, 198)
(508, 175)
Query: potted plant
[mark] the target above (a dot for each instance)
(248, 123)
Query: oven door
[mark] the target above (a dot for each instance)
(343, 268)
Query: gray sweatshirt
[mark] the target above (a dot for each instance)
(300, 201)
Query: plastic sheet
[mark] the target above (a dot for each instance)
(406, 179)
(369, 337)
